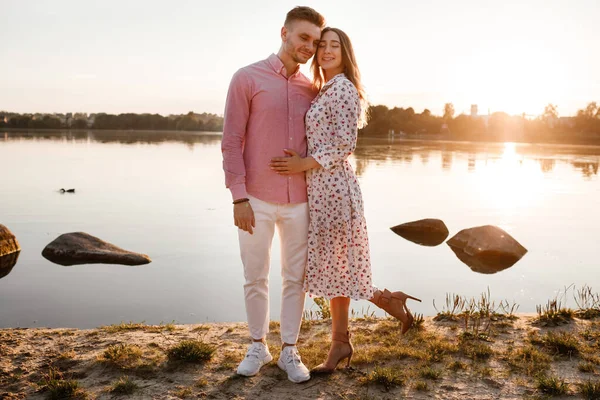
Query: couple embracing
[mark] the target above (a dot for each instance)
(286, 142)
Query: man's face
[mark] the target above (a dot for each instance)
(301, 40)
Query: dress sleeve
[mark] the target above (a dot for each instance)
(237, 112)
(343, 107)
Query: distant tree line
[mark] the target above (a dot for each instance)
(499, 126)
(382, 121)
(186, 122)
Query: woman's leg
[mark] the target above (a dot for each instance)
(339, 307)
(340, 343)
(395, 305)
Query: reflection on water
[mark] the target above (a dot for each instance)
(547, 164)
(124, 137)
(477, 155)
(588, 169)
(162, 194)
(447, 160)
(471, 162)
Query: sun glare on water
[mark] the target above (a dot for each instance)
(511, 181)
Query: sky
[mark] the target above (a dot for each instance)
(171, 57)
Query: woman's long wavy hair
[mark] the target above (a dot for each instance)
(350, 70)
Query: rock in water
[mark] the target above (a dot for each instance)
(7, 263)
(486, 249)
(426, 232)
(8, 242)
(81, 248)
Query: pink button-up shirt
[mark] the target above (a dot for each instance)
(264, 114)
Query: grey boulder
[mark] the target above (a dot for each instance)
(81, 248)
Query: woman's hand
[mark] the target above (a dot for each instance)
(293, 164)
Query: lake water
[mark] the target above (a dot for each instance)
(162, 194)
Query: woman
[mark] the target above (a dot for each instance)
(339, 266)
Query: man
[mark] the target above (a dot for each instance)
(264, 114)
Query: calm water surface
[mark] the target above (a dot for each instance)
(163, 194)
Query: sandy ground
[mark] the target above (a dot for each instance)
(28, 355)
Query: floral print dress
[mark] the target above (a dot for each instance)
(339, 264)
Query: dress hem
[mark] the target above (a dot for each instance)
(355, 298)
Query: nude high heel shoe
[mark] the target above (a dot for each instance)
(395, 305)
(346, 354)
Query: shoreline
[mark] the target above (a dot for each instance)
(592, 142)
(495, 356)
(216, 133)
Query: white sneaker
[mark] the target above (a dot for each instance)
(258, 355)
(290, 362)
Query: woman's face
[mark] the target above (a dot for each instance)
(329, 53)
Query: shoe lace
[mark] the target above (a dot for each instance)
(254, 352)
(293, 357)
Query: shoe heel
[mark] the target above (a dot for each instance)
(349, 359)
(408, 296)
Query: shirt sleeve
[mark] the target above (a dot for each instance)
(344, 110)
(237, 112)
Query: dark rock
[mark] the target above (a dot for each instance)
(8, 242)
(7, 263)
(82, 248)
(426, 232)
(486, 249)
(9, 251)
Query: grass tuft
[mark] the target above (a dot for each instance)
(419, 322)
(457, 365)
(183, 392)
(60, 388)
(437, 349)
(563, 343)
(137, 326)
(430, 373)
(553, 313)
(528, 360)
(588, 303)
(122, 355)
(590, 390)
(193, 351)
(384, 376)
(124, 386)
(552, 385)
(586, 367)
(476, 350)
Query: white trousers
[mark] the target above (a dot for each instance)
(291, 221)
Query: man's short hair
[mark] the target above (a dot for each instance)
(302, 13)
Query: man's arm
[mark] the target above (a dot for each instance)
(237, 112)
(292, 164)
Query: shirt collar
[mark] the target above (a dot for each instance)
(332, 80)
(277, 65)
